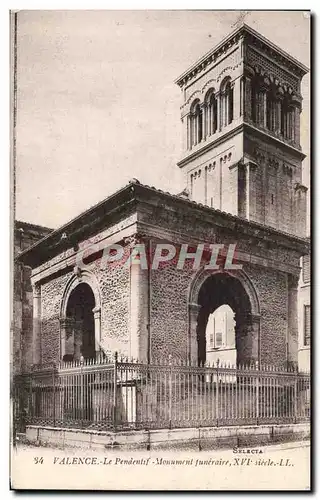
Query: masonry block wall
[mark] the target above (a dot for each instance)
(270, 267)
(114, 288)
(25, 235)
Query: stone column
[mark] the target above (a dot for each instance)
(292, 338)
(264, 108)
(36, 334)
(209, 119)
(251, 197)
(247, 98)
(237, 99)
(219, 116)
(139, 322)
(193, 342)
(188, 135)
(203, 120)
(277, 117)
(97, 327)
(297, 126)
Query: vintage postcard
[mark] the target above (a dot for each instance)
(161, 315)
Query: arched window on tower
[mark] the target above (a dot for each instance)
(226, 93)
(229, 94)
(196, 123)
(199, 118)
(287, 124)
(283, 118)
(212, 113)
(271, 111)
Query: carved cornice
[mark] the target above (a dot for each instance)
(251, 36)
(268, 81)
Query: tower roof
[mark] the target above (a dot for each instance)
(244, 31)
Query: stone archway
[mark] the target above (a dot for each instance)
(80, 318)
(208, 292)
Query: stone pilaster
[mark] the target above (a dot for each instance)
(237, 105)
(247, 98)
(36, 333)
(297, 126)
(97, 327)
(292, 337)
(139, 321)
(193, 342)
(219, 111)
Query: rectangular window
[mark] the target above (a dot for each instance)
(218, 339)
(306, 268)
(211, 340)
(307, 325)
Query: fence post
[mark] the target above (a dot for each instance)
(217, 393)
(54, 397)
(29, 399)
(295, 395)
(170, 391)
(81, 391)
(115, 377)
(257, 393)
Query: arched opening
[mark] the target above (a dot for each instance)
(196, 131)
(226, 93)
(220, 336)
(211, 112)
(199, 129)
(224, 295)
(80, 324)
(271, 109)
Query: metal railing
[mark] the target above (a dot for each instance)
(122, 394)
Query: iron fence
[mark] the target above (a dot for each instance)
(122, 394)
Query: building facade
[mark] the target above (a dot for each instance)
(25, 236)
(241, 166)
(304, 316)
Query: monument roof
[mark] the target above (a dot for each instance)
(103, 212)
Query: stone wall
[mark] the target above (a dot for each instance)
(170, 289)
(114, 290)
(25, 235)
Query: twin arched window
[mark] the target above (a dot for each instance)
(271, 109)
(205, 119)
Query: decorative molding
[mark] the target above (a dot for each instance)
(36, 290)
(204, 91)
(300, 187)
(257, 42)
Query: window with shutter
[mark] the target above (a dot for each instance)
(307, 325)
(306, 268)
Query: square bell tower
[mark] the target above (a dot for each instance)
(240, 113)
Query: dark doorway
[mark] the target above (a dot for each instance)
(223, 289)
(81, 320)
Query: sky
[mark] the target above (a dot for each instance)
(97, 104)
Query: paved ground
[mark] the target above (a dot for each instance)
(283, 466)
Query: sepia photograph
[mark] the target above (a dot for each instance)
(160, 328)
